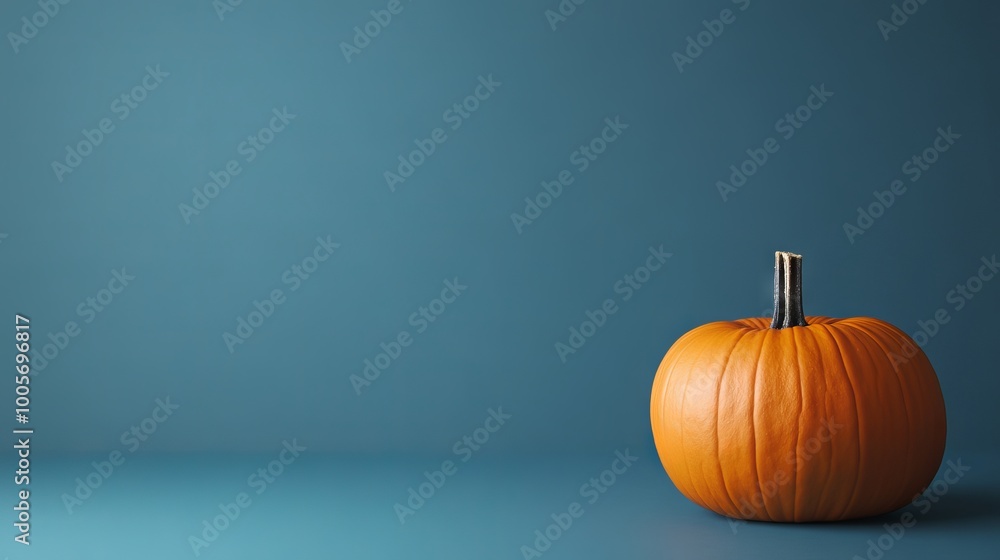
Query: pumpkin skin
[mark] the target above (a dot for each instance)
(821, 422)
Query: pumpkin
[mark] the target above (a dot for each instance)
(798, 419)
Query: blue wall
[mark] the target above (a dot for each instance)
(323, 175)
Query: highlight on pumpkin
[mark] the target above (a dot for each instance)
(805, 419)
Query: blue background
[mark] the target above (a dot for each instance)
(495, 345)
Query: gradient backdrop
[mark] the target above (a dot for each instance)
(167, 166)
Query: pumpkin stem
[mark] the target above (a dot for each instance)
(787, 291)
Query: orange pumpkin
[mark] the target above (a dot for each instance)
(800, 419)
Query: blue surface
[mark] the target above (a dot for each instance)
(328, 507)
(875, 98)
